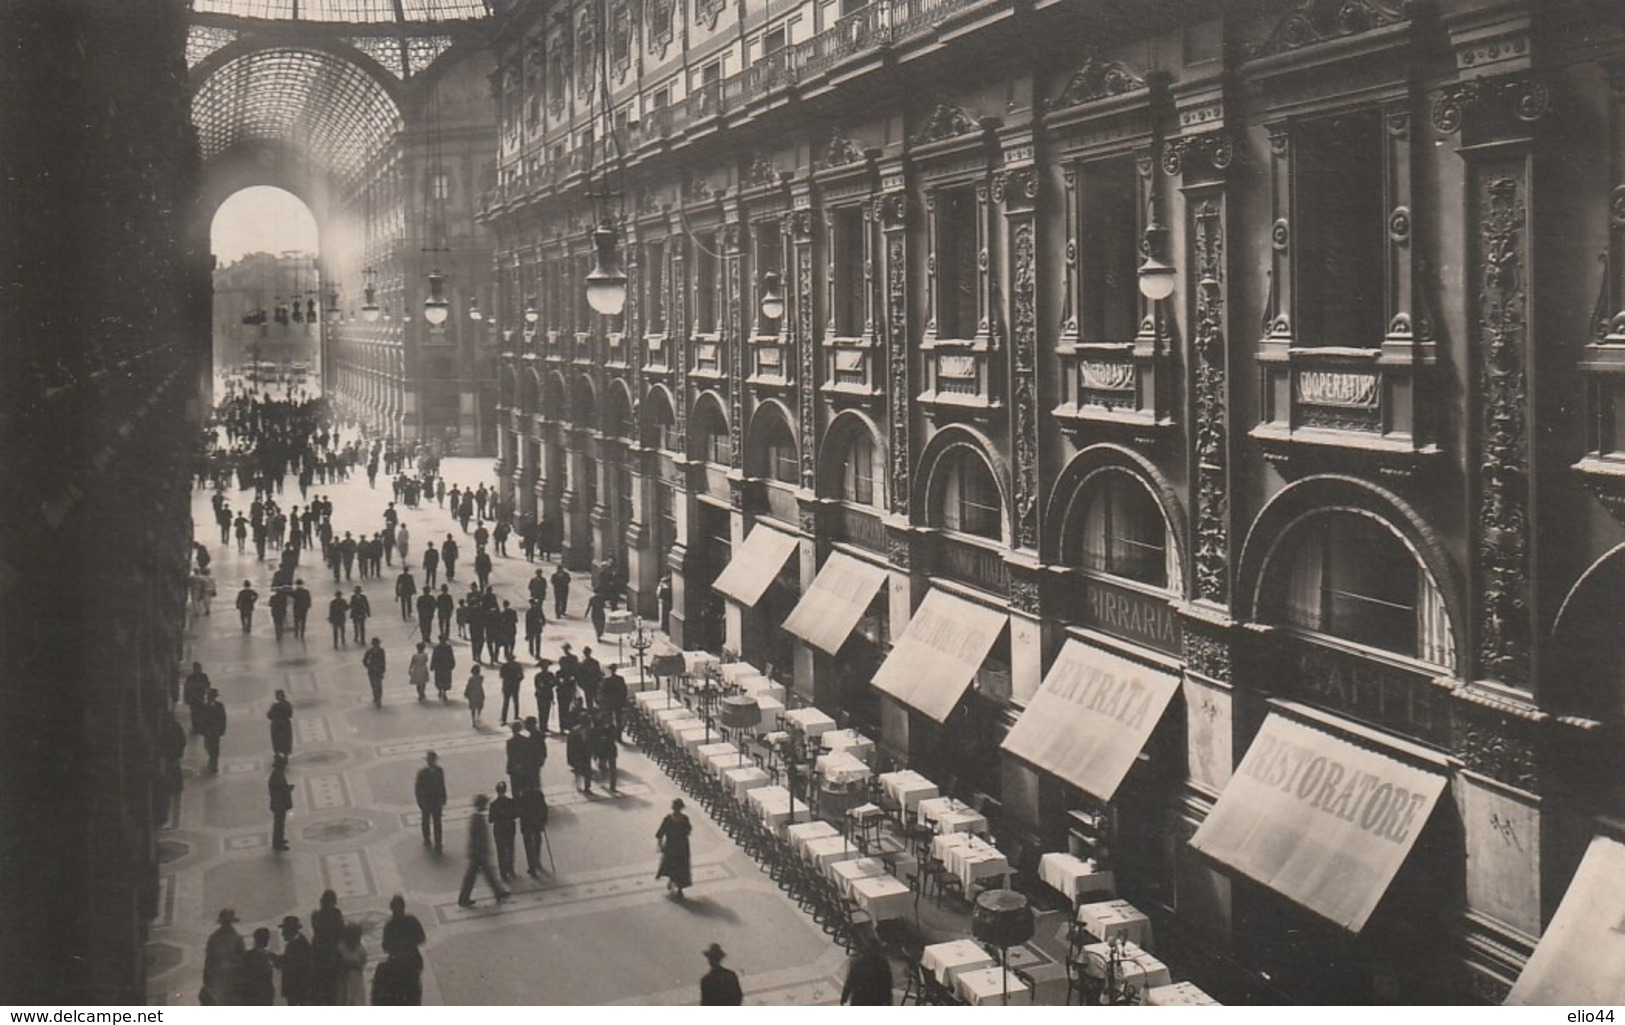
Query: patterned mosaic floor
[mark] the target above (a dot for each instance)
(598, 929)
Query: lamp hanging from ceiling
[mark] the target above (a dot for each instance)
(606, 282)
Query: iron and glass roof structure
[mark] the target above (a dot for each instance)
(314, 74)
(349, 12)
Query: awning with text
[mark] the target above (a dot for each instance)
(1318, 819)
(837, 599)
(753, 567)
(939, 653)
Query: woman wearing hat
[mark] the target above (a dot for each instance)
(672, 837)
(222, 962)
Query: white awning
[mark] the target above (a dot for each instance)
(837, 599)
(1581, 958)
(938, 655)
(753, 567)
(1091, 717)
(1319, 820)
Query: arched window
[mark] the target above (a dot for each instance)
(967, 500)
(711, 436)
(1350, 576)
(1122, 533)
(858, 472)
(779, 452)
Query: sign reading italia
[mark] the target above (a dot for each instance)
(1091, 717)
(1319, 820)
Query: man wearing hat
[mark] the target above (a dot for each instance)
(545, 683)
(222, 962)
(213, 724)
(719, 987)
(298, 964)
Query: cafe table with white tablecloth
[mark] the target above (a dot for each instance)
(720, 747)
(841, 767)
(850, 741)
(1179, 994)
(844, 872)
(733, 672)
(983, 986)
(743, 780)
(1072, 875)
(951, 815)
(760, 687)
(907, 788)
(1136, 966)
(1115, 919)
(969, 858)
(883, 896)
(695, 737)
(827, 850)
(772, 708)
(653, 701)
(810, 721)
(945, 960)
(717, 764)
(801, 832)
(777, 807)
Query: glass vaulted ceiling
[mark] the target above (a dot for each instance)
(325, 105)
(353, 12)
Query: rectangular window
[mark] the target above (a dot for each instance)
(852, 6)
(956, 262)
(785, 467)
(1339, 240)
(705, 284)
(654, 272)
(585, 317)
(718, 448)
(769, 260)
(439, 186)
(773, 41)
(1108, 251)
(858, 480)
(849, 283)
(623, 497)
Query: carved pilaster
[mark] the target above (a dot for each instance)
(892, 212)
(733, 333)
(802, 231)
(1500, 265)
(677, 331)
(1018, 191)
(1212, 532)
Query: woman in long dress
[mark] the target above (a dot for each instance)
(474, 692)
(673, 840)
(352, 964)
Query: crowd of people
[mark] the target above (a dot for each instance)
(576, 696)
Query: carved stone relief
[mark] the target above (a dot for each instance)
(1212, 531)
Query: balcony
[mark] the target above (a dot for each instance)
(882, 24)
(709, 360)
(768, 362)
(958, 380)
(1360, 399)
(849, 371)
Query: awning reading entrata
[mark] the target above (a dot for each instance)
(1090, 719)
(754, 566)
(938, 655)
(1319, 820)
(1581, 958)
(835, 602)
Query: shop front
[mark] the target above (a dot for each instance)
(1343, 876)
(755, 570)
(1087, 728)
(1581, 958)
(840, 617)
(927, 716)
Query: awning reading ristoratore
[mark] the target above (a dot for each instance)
(748, 574)
(1581, 958)
(939, 653)
(1318, 819)
(837, 599)
(1091, 717)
